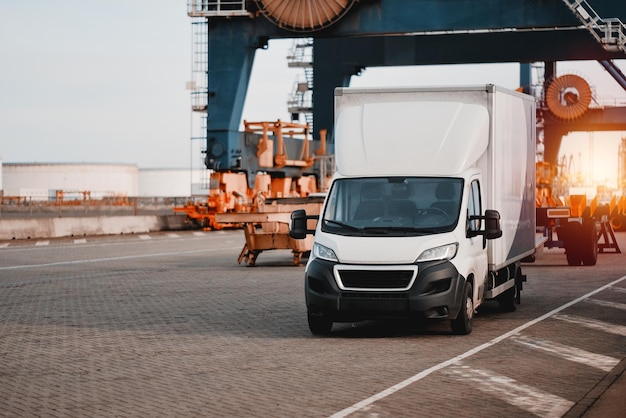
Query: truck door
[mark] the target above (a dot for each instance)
(476, 244)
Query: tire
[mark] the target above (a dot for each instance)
(462, 324)
(588, 243)
(319, 325)
(508, 299)
(572, 249)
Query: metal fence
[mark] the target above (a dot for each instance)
(26, 207)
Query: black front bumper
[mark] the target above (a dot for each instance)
(437, 293)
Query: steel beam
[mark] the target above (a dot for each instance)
(594, 120)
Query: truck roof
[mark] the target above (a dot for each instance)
(382, 134)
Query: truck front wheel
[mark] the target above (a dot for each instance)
(462, 324)
(319, 324)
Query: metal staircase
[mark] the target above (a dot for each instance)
(610, 33)
(301, 99)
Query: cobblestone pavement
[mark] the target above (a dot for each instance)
(169, 324)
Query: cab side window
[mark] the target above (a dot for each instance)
(474, 207)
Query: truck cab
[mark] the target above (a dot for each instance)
(398, 246)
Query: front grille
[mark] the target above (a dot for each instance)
(376, 279)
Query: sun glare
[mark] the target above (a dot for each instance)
(590, 159)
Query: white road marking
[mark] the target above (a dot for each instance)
(80, 241)
(608, 304)
(577, 355)
(172, 235)
(4, 245)
(199, 234)
(41, 243)
(424, 373)
(128, 257)
(145, 237)
(509, 390)
(592, 323)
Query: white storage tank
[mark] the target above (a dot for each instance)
(170, 182)
(41, 181)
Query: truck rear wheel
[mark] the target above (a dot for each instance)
(508, 299)
(588, 243)
(572, 248)
(511, 297)
(319, 324)
(462, 324)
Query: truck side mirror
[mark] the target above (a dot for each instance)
(492, 224)
(298, 227)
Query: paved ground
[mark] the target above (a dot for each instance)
(171, 325)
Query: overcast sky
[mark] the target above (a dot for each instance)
(95, 81)
(104, 81)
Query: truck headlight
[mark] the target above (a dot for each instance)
(445, 252)
(325, 253)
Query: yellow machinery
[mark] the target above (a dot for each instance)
(264, 210)
(268, 227)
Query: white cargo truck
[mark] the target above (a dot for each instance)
(431, 209)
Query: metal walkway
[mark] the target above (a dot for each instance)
(610, 33)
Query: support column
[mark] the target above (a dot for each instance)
(231, 48)
(329, 72)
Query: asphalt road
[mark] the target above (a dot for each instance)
(170, 325)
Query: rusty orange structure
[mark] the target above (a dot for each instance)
(263, 210)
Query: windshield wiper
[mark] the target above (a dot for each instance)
(391, 229)
(378, 229)
(341, 224)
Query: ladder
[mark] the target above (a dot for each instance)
(610, 33)
(200, 11)
(200, 48)
(199, 88)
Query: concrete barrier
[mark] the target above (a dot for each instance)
(84, 226)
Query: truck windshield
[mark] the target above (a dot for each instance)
(396, 206)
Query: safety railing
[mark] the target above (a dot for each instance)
(27, 207)
(611, 32)
(209, 8)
